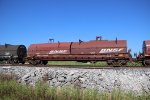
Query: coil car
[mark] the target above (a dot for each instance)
(114, 52)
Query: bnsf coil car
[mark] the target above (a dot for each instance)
(13, 53)
(114, 52)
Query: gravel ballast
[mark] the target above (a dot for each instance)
(103, 80)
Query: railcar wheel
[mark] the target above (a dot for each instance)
(146, 62)
(114, 63)
(23, 62)
(10, 61)
(123, 62)
(34, 62)
(7, 62)
(44, 62)
(16, 61)
(110, 62)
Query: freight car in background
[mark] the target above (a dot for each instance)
(145, 55)
(13, 53)
(114, 52)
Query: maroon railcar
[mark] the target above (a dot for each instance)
(41, 53)
(113, 51)
(145, 55)
(146, 48)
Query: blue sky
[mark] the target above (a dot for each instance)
(35, 21)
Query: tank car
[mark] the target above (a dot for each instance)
(114, 52)
(13, 53)
(145, 55)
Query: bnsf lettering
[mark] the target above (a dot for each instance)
(57, 51)
(111, 50)
(147, 45)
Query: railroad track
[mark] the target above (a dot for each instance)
(59, 66)
(73, 66)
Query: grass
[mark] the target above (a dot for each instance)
(76, 63)
(95, 64)
(10, 89)
(134, 64)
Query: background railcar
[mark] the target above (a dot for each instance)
(145, 55)
(13, 53)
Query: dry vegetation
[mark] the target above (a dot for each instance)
(10, 89)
